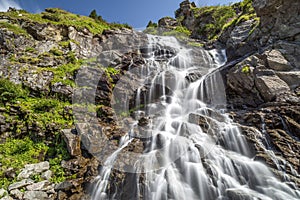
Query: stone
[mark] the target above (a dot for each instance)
(46, 175)
(20, 184)
(32, 169)
(41, 186)
(64, 186)
(270, 85)
(3, 193)
(7, 198)
(292, 78)
(72, 141)
(35, 195)
(167, 22)
(62, 89)
(276, 61)
(16, 194)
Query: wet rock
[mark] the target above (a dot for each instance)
(20, 184)
(31, 169)
(73, 142)
(35, 195)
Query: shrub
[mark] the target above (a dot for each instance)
(10, 92)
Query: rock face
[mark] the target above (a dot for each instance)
(262, 87)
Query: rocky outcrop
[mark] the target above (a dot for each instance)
(263, 88)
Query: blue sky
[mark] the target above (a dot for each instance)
(136, 13)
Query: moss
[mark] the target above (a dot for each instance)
(30, 50)
(65, 44)
(14, 28)
(29, 59)
(245, 69)
(56, 52)
(195, 44)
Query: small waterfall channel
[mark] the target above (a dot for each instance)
(192, 150)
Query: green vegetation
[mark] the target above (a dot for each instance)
(14, 28)
(10, 92)
(65, 73)
(15, 153)
(151, 24)
(57, 16)
(217, 17)
(56, 52)
(180, 32)
(47, 115)
(245, 69)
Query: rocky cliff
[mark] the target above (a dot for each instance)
(43, 154)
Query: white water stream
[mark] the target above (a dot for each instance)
(184, 160)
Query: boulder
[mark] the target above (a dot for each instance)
(17, 194)
(35, 195)
(276, 61)
(73, 142)
(292, 78)
(32, 169)
(41, 186)
(20, 184)
(167, 22)
(270, 85)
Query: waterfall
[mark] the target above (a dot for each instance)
(192, 150)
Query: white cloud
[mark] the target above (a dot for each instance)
(5, 4)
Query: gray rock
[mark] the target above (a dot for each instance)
(16, 194)
(2, 119)
(46, 175)
(20, 184)
(270, 85)
(35, 195)
(72, 141)
(42, 186)
(3, 193)
(62, 89)
(167, 22)
(291, 78)
(32, 169)
(277, 62)
(7, 198)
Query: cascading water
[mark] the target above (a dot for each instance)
(192, 150)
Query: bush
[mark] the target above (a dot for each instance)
(10, 92)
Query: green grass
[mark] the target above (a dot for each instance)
(14, 28)
(10, 92)
(58, 16)
(180, 32)
(15, 153)
(29, 146)
(63, 72)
